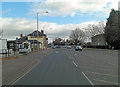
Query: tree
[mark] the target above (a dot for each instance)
(57, 41)
(1, 32)
(112, 29)
(96, 29)
(77, 36)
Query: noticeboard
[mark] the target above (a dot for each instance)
(11, 46)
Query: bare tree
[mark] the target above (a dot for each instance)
(96, 29)
(77, 35)
(1, 34)
(57, 41)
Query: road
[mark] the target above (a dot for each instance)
(69, 67)
(55, 69)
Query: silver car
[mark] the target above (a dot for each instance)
(78, 48)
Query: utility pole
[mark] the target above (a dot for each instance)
(37, 34)
(37, 30)
(33, 41)
(16, 47)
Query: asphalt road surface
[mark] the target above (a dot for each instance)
(100, 65)
(69, 67)
(55, 69)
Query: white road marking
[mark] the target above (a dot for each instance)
(92, 68)
(106, 81)
(74, 63)
(88, 79)
(109, 63)
(75, 54)
(101, 74)
(57, 52)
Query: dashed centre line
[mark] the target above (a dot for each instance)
(74, 63)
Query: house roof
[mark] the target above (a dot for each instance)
(11, 41)
(36, 33)
(21, 40)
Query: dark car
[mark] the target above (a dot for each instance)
(78, 48)
(68, 47)
(58, 46)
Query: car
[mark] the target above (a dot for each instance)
(78, 48)
(3, 51)
(68, 47)
(53, 47)
(58, 46)
(23, 50)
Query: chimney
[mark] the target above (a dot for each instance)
(42, 31)
(21, 35)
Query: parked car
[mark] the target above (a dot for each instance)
(68, 47)
(53, 47)
(3, 51)
(78, 48)
(23, 50)
(3, 46)
(57, 46)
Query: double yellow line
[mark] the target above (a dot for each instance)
(20, 76)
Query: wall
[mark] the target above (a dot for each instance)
(40, 39)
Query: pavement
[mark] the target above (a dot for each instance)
(93, 67)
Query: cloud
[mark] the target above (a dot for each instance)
(74, 13)
(70, 7)
(13, 27)
(6, 11)
(119, 5)
(22, 0)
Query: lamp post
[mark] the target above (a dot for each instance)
(16, 47)
(38, 27)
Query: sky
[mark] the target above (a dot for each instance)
(19, 16)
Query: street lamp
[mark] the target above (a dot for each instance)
(37, 25)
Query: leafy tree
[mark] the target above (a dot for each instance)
(112, 29)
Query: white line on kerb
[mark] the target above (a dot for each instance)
(74, 63)
(88, 79)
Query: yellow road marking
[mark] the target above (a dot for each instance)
(21, 76)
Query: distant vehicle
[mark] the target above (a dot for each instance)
(23, 50)
(58, 46)
(3, 46)
(68, 47)
(78, 48)
(53, 47)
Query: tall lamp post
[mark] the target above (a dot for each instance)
(38, 27)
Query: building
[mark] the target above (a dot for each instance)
(99, 40)
(34, 41)
(40, 37)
